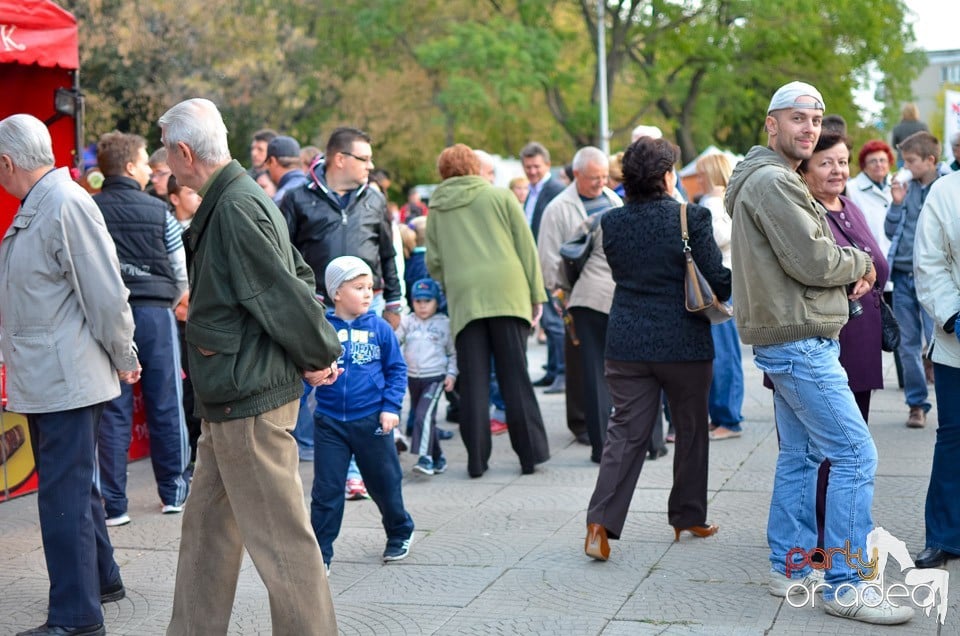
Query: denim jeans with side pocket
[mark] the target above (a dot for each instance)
(817, 417)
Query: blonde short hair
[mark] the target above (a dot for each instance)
(717, 168)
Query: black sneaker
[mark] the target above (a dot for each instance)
(397, 549)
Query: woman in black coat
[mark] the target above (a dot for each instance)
(654, 344)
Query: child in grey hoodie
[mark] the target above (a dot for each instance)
(431, 369)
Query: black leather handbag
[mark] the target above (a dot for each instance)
(889, 328)
(575, 252)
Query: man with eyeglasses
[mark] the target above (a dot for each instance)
(870, 189)
(159, 174)
(589, 300)
(337, 214)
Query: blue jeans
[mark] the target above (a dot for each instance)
(552, 324)
(76, 545)
(496, 398)
(726, 390)
(915, 327)
(303, 431)
(817, 417)
(942, 514)
(158, 350)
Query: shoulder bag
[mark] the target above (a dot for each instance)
(698, 295)
(575, 252)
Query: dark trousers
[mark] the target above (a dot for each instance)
(552, 324)
(506, 339)
(591, 328)
(635, 390)
(424, 397)
(193, 422)
(159, 352)
(573, 395)
(75, 541)
(942, 514)
(334, 443)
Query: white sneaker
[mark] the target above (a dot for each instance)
(119, 520)
(170, 509)
(865, 604)
(779, 584)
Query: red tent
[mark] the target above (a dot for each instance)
(39, 62)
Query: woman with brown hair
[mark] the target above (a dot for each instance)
(655, 345)
(481, 250)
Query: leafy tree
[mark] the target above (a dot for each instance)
(420, 74)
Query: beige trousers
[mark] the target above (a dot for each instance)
(246, 492)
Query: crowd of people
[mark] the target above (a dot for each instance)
(281, 313)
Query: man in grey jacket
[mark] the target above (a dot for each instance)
(792, 283)
(589, 300)
(66, 332)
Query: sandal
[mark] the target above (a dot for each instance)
(722, 433)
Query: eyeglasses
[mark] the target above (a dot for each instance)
(876, 161)
(160, 174)
(360, 159)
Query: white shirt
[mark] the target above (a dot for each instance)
(874, 202)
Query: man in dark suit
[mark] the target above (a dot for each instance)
(543, 188)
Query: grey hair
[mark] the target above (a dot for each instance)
(198, 124)
(955, 139)
(535, 149)
(484, 157)
(26, 140)
(588, 155)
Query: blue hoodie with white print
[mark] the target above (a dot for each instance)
(374, 375)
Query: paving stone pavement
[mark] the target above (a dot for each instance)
(503, 554)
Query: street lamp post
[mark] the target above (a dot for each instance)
(602, 78)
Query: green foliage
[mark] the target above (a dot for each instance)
(419, 74)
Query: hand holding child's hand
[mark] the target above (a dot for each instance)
(448, 383)
(324, 376)
(388, 421)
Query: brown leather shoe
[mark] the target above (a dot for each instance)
(917, 417)
(596, 545)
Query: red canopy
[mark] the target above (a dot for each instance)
(38, 32)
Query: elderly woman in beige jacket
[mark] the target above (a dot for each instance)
(589, 300)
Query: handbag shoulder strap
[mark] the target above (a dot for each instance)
(684, 234)
(833, 221)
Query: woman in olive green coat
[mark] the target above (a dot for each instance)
(481, 250)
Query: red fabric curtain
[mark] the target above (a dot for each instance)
(38, 32)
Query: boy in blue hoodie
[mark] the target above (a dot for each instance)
(356, 413)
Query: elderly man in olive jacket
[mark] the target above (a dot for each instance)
(254, 328)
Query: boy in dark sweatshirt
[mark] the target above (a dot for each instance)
(356, 414)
